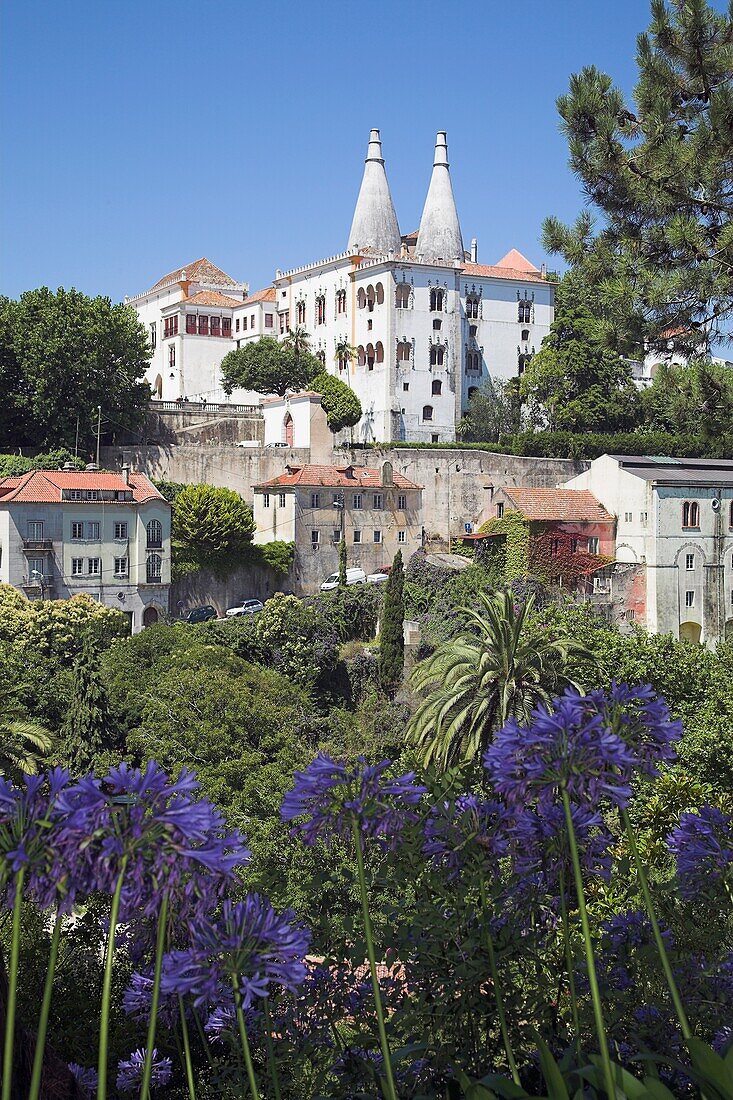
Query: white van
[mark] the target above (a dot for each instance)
(353, 576)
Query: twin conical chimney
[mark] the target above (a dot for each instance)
(375, 225)
(439, 237)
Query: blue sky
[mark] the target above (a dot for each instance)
(140, 136)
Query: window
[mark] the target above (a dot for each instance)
(170, 326)
(689, 561)
(525, 334)
(216, 326)
(76, 494)
(437, 325)
(93, 531)
(628, 517)
(404, 350)
(190, 324)
(643, 516)
(402, 502)
(630, 615)
(153, 336)
(172, 356)
(321, 309)
(120, 530)
(689, 599)
(226, 326)
(77, 566)
(437, 355)
(315, 500)
(155, 534)
(473, 362)
(357, 501)
(357, 535)
(405, 387)
(472, 330)
(690, 514)
(379, 351)
(236, 324)
(203, 325)
(341, 301)
(402, 296)
(94, 566)
(377, 500)
(154, 568)
(434, 439)
(35, 530)
(401, 536)
(284, 323)
(427, 412)
(437, 387)
(265, 500)
(315, 538)
(77, 530)
(500, 509)
(437, 299)
(554, 546)
(35, 565)
(336, 534)
(593, 544)
(730, 515)
(472, 306)
(377, 536)
(524, 310)
(370, 356)
(281, 500)
(268, 320)
(120, 567)
(300, 313)
(92, 494)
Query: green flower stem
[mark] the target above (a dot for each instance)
(245, 1041)
(186, 1049)
(12, 988)
(391, 1090)
(155, 998)
(35, 1086)
(202, 1037)
(590, 961)
(569, 963)
(489, 943)
(271, 1050)
(658, 939)
(107, 985)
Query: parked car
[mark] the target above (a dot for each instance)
(201, 614)
(353, 576)
(277, 444)
(377, 578)
(246, 607)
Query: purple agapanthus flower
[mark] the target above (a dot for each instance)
(540, 848)
(568, 747)
(702, 845)
(138, 996)
(643, 721)
(624, 938)
(332, 797)
(130, 1071)
(468, 831)
(86, 1076)
(248, 943)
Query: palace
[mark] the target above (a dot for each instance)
(413, 323)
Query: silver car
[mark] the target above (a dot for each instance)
(246, 607)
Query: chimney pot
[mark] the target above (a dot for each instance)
(126, 474)
(474, 250)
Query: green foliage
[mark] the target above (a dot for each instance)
(293, 633)
(61, 355)
(171, 490)
(545, 444)
(212, 527)
(342, 564)
(55, 628)
(509, 557)
(267, 365)
(24, 743)
(86, 728)
(391, 632)
(15, 465)
(696, 399)
(340, 404)
(279, 556)
(493, 411)
(351, 613)
(659, 173)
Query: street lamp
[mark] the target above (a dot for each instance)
(37, 573)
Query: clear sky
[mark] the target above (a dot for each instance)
(139, 136)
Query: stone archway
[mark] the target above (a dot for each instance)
(288, 430)
(150, 616)
(690, 632)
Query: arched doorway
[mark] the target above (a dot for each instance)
(150, 616)
(288, 430)
(158, 387)
(690, 632)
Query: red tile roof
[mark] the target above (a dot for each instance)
(213, 298)
(355, 477)
(502, 271)
(200, 271)
(573, 505)
(517, 262)
(266, 295)
(45, 486)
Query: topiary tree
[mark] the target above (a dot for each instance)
(342, 564)
(269, 366)
(340, 404)
(86, 729)
(212, 527)
(391, 634)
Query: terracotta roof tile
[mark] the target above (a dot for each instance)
(266, 295)
(497, 271)
(45, 486)
(517, 262)
(355, 477)
(213, 298)
(200, 271)
(575, 505)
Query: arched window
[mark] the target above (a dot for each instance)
(380, 293)
(379, 351)
(524, 361)
(427, 412)
(690, 514)
(404, 351)
(437, 387)
(473, 362)
(472, 307)
(288, 430)
(402, 296)
(321, 309)
(370, 356)
(524, 311)
(525, 334)
(155, 533)
(154, 568)
(361, 356)
(341, 301)
(321, 357)
(361, 297)
(158, 388)
(437, 355)
(370, 298)
(437, 298)
(300, 312)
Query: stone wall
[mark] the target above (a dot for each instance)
(195, 423)
(255, 582)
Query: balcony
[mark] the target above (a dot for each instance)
(37, 545)
(33, 584)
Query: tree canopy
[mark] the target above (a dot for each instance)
(695, 398)
(268, 366)
(659, 173)
(340, 404)
(61, 355)
(493, 411)
(211, 526)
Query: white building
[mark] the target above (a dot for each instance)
(675, 521)
(63, 532)
(428, 322)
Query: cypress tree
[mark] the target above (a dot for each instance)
(391, 636)
(342, 564)
(86, 728)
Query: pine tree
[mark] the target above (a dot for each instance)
(86, 729)
(391, 632)
(659, 172)
(342, 564)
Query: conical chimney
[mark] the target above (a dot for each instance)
(439, 238)
(374, 225)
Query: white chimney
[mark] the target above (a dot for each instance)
(126, 474)
(474, 250)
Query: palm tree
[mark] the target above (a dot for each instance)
(298, 341)
(345, 352)
(500, 666)
(23, 743)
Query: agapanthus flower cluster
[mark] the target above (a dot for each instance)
(540, 848)
(249, 944)
(138, 996)
(470, 831)
(331, 797)
(702, 845)
(624, 940)
(28, 842)
(86, 1077)
(588, 745)
(130, 1071)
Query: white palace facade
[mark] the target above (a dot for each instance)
(426, 322)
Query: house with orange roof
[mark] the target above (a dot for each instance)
(64, 532)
